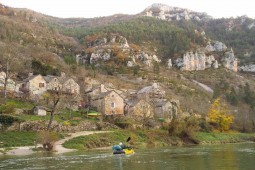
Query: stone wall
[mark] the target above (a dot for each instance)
(58, 127)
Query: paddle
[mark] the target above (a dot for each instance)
(128, 139)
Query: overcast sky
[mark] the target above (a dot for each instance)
(97, 8)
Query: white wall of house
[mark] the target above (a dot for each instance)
(40, 112)
(37, 85)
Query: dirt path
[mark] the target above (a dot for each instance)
(58, 148)
(59, 144)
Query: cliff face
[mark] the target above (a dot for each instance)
(169, 13)
(117, 48)
(230, 62)
(199, 61)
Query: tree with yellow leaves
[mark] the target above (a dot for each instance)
(219, 115)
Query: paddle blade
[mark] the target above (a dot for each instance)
(128, 139)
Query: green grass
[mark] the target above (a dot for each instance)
(138, 139)
(60, 118)
(13, 139)
(21, 104)
(222, 137)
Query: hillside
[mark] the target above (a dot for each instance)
(132, 51)
(25, 35)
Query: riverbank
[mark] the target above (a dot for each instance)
(139, 139)
(58, 146)
(154, 139)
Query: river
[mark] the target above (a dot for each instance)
(199, 157)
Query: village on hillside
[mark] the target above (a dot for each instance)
(145, 105)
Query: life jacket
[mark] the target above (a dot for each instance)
(116, 147)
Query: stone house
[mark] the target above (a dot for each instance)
(34, 84)
(108, 103)
(69, 86)
(139, 108)
(93, 92)
(53, 83)
(166, 110)
(40, 111)
(152, 92)
(63, 84)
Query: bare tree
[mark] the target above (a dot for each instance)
(56, 99)
(60, 93)
(8, 66)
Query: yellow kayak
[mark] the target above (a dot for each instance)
(129, 151)
(126, 151)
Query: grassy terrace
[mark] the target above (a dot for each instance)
(139, 139)
(223, 137)
(13, 139)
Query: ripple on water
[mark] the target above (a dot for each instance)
(247, 150)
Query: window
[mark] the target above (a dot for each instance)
(41, 85)
(113, 105)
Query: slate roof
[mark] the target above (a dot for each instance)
(30, 78)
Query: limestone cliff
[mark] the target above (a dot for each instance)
(169, 13)
(199, 61)
(115, 47)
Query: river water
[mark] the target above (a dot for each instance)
(206, 157)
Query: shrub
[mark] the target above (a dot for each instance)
(47, 139)
(7, 120)
(123, 122)
(7, 108)
(219, 115)
(184, 128)
(66, 123)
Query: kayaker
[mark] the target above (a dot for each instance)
(118, 147)
(122, 149)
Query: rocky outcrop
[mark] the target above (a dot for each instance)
(229, 61)
(196, 61)
(165, 12)
(251, 25)
(247, 68)
(215, 46)
(104, 49)
(112, 39)
(199, 61)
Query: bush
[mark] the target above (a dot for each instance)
(220, 116)
(47, 139)
(7, 108)
(205, 126)
(123, 122)
(184, 128)
(7, 120)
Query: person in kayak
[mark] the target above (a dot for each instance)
(119, 148)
